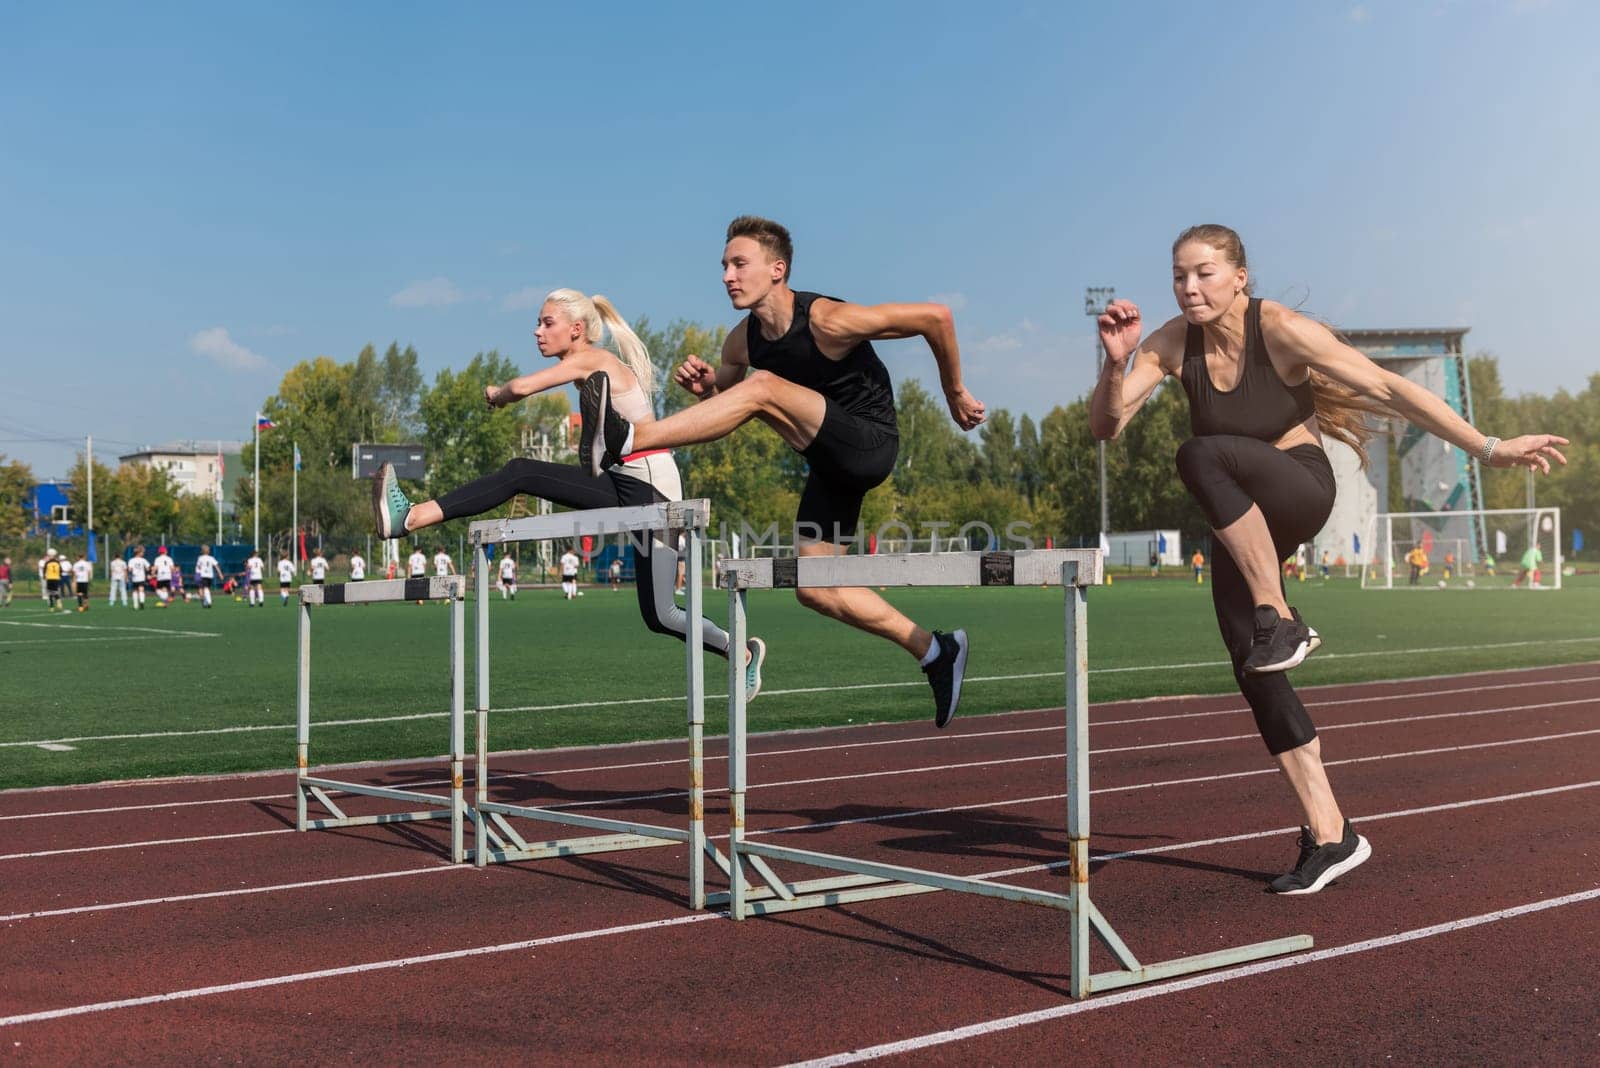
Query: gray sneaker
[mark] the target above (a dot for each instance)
(390, 505)
(752, 670)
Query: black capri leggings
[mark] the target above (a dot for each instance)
(1294, 489)
(572, 487)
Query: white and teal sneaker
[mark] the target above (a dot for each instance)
(389, 503)
(752, 670)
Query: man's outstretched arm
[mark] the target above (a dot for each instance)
(840, 326)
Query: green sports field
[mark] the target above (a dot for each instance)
(121, 694)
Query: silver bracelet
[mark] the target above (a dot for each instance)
(1486, 453)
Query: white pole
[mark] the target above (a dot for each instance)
(256, 538)
(294, 534)
(88, 466)
(219, 493)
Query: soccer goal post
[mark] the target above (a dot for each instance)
(1497, 548)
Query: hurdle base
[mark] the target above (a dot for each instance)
(872, 881)
(310, 788)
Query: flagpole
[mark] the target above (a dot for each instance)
(219, 493)
(294, 537)
(256, 541)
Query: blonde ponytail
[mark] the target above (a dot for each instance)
(597, 314)
(630, 350)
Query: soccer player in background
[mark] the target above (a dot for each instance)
(206, 569)
(508, 577)
(82, 574)
(442, 564)
(569, 574)
(358, 568)
(285, 579)
(5, 582)
(163, 568)
(138, 576)
(52, 579)
(119, 581)
(319, 569)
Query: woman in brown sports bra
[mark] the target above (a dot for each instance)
(1264, 384)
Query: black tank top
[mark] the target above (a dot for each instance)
(858, 382)
(1260, 406)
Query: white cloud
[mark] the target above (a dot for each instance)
(215, 345)
(278, 330)
(429, 293)
(1359, 13)
(524, 299)
(955, 301)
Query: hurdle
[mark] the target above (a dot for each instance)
(1073, 569)
(451, 588)
(495, 839)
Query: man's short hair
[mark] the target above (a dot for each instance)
(772, 236)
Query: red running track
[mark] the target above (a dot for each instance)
(183, 920)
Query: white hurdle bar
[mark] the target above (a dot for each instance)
(1073, 569)
(494, 838)
(451, 588)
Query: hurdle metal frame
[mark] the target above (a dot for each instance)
(1073, 569)
(451, 588)
(494, 839)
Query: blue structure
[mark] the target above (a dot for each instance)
(48, 500)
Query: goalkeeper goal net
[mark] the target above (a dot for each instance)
(1501, 548)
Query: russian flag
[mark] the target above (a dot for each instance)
(263, 423)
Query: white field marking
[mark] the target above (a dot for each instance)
(56, 747)
(109, 906)
(111, 638)
(1241, 971)
(678, 921)
(624, 702)
(1170, 847)
(834, 747)
(355, 969)
(92, 626)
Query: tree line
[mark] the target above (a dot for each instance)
(1011, 470)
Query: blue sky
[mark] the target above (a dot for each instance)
(192, 199)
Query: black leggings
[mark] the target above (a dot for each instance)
(571, 487)
(1294, 489)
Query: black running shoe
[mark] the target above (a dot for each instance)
(1279, 643)
(945, 674)
(1313, 639)
(1320, 865)
(604, 439)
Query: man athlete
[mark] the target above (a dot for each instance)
(818, 383)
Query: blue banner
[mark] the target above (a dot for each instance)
(1577, 540)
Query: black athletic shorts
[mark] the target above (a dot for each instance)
(205, 583)
(83, 589)
(163, 584)
(52, 585)
(849, 457)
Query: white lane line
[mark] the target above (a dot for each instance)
(943, 739)
(58, 642)
(675, 698)
(91, 626)
(354, 969)
(1243, 971)
(1123, 788)
(109, 906)
(1171, 847)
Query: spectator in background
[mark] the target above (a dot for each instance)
(119, 581)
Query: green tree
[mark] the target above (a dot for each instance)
(143, 502)
(668, 348)
(933, 449)
(16, 491)
(465, 439)
(1028, 458)
(1002, 457)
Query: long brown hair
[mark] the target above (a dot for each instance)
(1341, 411)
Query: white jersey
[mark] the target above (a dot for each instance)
(119, 568)
(82, 570)
(441, 563)
(417, 564)
(508, 569)
(285, 571)
(207, 566)
(319, 567)
(254, 568)
(358, 567)
(569, 565)
(138, 570)
(163, 566)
